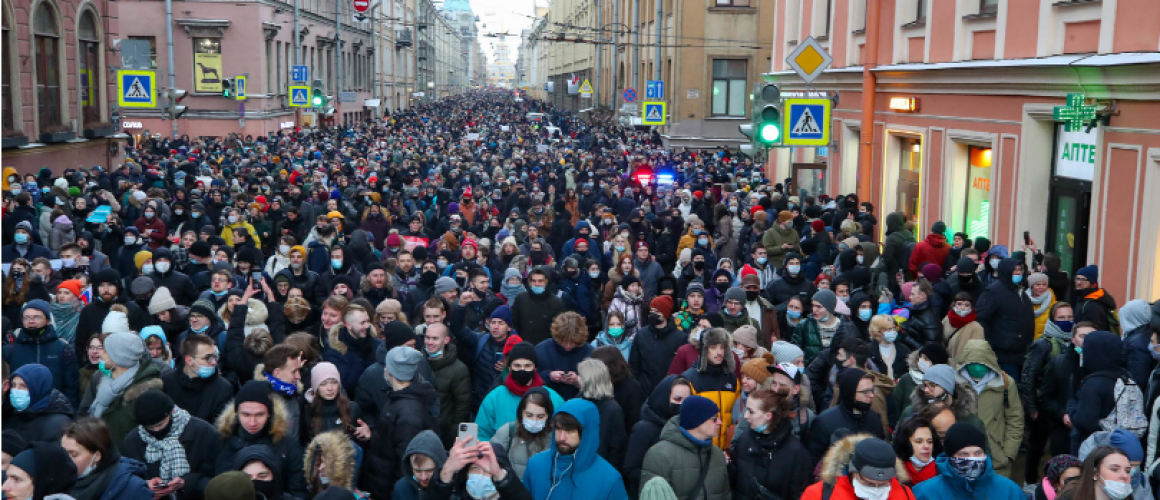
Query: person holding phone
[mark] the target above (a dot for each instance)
(502, 403)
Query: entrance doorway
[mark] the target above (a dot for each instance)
(909, 178)
(810, 178)
(1067, 222)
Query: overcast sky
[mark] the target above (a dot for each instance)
(496, 16)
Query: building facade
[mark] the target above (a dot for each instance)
(58, 95)
(502, 72)
(394, 54)
(965, 95)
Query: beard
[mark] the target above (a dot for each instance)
(565, 448)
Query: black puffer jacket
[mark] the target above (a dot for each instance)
(44, 425)
(924, 326)
(1058, 385)
(842, 416)
(652, 352)
(403, 417)
(775, 463)
(654, 413)
(1007, 317)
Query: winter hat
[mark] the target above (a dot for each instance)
(1128, 443)
(936, 353)
(73, 286)
(942, 376)
(874, 459)
(695, 410)
(115, 322)
(735, 293)
(232, 485)
(470, 243)
(695, 287)
(663, 304)
(749, 279)
(125, 349)
(152, 407)
(961, 435)
(397, 333)
(444, 285)
(1091, 272)
(505, 313)
(746, 335)
(784, 216)
(402, 361)
(966, 264)
(686, 256)
(389, 306)
(748, 270)
(785, 352)
(982, 244)
(50, 467)
(162, 301)
(788, 369)
(628, 281)
(932, 272)
(757, 368)
(255, 391)
(13, 443)
(826, 299)
(141, 286)
(199, 249)
(818, 225)
(1036, 278)
(203, 307)
(321, 373)
(140, 258)
(39, 305)
(939, 227)
(523, 350)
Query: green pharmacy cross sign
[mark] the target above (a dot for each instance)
(1076, 115)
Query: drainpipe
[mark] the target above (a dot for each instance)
(869, 86)
(169, 57)
(636, 44)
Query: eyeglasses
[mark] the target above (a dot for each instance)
(34, 318)
(867, 392)
(207, 358)
(96, 348)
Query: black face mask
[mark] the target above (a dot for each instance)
(523, 377)
(161, 433)
(862, 407)
(269, 489)
(699, 265)
(428, 278)
(674, 409)
(721, 287)
(656, 319)
(752, 295)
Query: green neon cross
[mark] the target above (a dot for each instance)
(1075, 115)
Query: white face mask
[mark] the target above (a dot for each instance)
(233, 219)
(870, 492)
(161, 267)
(793, 269)
(147, 269)
(860, 259)
(284, 249)
(924, 365)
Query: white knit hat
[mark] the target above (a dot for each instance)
(115, 322)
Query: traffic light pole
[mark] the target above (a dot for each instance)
(169, 56)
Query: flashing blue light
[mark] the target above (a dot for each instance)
(665, 179)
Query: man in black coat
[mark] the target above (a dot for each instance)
(853, 413)
(663, 404)
(654, 347)
(166, 275)
(256, 418)
(108, 288)
(1007, 317)
(534, 310)
(197, 387)
(403, 417)
(163, 425)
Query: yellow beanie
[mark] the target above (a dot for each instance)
(141, 257)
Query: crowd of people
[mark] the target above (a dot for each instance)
(482, 297)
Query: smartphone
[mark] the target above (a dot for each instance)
(469, 430)
(1026, 237)
(256, 276)
(499, 357)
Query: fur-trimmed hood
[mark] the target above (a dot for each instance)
(840, 454)
(333, 337)
(966, 402)
(335, 450)
(279, 424)
(716, 336)
(256, 315)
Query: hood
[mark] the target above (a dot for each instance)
(869, 253)
(978, 351)
(722, 272)
(227, 422)
(856, 300)
(999, 251)
(164, 253)
(38, 378)
(838, 458)
(260, 453)
(589, 417)
(1135, 314)
(426, 443)
(1102, 351)
(1006, 267)
(583, 224)
(895, 222)
(936, 240)
(658, 402)
(848, 385)
(337, 451)
(256, 313)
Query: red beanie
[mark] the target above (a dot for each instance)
(698, 194)
(394, 241)
(818, 225)
(756, 208)
(663, 304)
(73, 286)
(747, 270)
(511, 342)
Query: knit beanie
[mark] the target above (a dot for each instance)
(397, 333)
(785, 352)
(826, 299)
(758, 368)
(735, 293)
(125, 349)
(402, 361)
(161, 301)
(939, 227)
(115, 322)
(1128, 443)
(936, 353)
(203, 307)
(966, 264)
(695, 410)
(39, 305)
(523, 350)
(505, 313)
(73, 286)
(444, 285)
(1091, 272)
(233, 485)
(695, 287)
(255, 391)
(962, 435)
(746, 335)
(152, 407)
(942, 376)
(321, 373)
(1036, 278)
(783, 216)
(140, 258)
(663, 304)
(141, 286)
(874, 459)
(628, 281)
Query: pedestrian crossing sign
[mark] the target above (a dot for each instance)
(299, 96)
(806, 122)
(653, 113)
(240, 88)
(136, 89)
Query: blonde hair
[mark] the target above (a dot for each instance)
(595, 378)
(879, 324)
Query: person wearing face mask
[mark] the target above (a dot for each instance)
(941, 388)
(1054, 341)
(965, 470)
(151, 227)
(165, 275)
(793, 282)
(1000, 407)
(262, 470)
(888, 355)
(125, 373)
(918, 444)
(767, 458)
(1007, 316)
(855, 393)
(40, 412)
(860, 467)
(1139, 359)
(178, 449)
(961, 325)
(103, 474)
(124, 260)
(42, 470)
(477, 471)
(530, 434)
(37, 342)
(254, 428)
(781, 239)
(500, 405)
(823, 328)
(196, 385)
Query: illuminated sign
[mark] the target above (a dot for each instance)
(286, 125)
(904, 104)
(132, 125)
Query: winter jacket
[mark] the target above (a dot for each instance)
(965, 406)
(453, 384)
(681, 463)
(775, 462)
(779, 292)
(836, 478)
(499, 408)
(518, 450)
(842, 416)
(1091, 304)
(289, 455)
(1007, 318)
(613, 435)
(654, 414)
(634, 310)
(622, 343)
(533, 314)
(1035, 366)
(373, 390)
(1095, 397)
(45, 418)
(1058, 385)
(200, 441)
(808, 337)
(352, 356)
(93, 315)
(652, 352)
(403, 417)
(119, 414)
(932, 250)
(956, 338)
(582, 475)
(1000, 408)
(650, 273)
(204, 398)
(121, 479)
(924, 325)
(948, 484)
(896, 242)
(629, 394)
(553, 357)
(482, 353)
(51, 351)
(718, 383)
(1134, 320)
(180, 285)
(774, 238)
(239, 362)
(427, 444)
(1042, 319)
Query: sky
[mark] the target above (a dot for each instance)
(496, 16)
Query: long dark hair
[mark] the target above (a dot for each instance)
(617, 367)
(343, 403)
(537, 398)
(902, 447)
(1085, 488)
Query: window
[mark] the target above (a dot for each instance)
(152, 48)
(47, 60)
(6, 90)
(729, 76)
(988, 6)
(919, 10)
(90, 75)
(207, 65)
(725, 3)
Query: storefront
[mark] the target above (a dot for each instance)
(1073, 169)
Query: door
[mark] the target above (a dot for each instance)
(1067, 225)
(810, 178)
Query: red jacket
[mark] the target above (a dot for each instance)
(932, 250)
(157, 237)
(843, 490)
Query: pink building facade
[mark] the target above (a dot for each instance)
(963, 127)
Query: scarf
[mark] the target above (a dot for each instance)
(1042, 304)
(1051, 331)
(110, 389)
(920, 472)
(280, 386)
(629, 297)
(511, 291)
(520, 390)
(66, 317)
(169, 450)
(957, 321)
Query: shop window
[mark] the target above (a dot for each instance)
(207, 65)
(47, 60)
(978, 208)
(89, 74)
(909, 178)
(729, 95)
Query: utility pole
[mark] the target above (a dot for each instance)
(297, 38)
(599, 48)
(660, 30)
(636, 44)
(338, 52)
(615, 53)
(169, 54)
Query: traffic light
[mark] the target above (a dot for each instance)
(767, 113)
(317, 94)
(227, 88)
(173, 108)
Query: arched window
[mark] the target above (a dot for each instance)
(89, 44)
(46, 42)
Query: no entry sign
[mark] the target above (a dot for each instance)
(362, 5)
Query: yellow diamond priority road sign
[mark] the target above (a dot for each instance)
(809, 60)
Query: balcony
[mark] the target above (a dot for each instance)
(403, 38)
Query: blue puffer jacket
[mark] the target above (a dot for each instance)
(583, 474)
(949, 485)
(553, 357)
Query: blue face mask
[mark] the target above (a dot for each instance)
(761, 428)
(206, 371)
(107, 372)
(1018, 278)
(20, 238)
(20, 399)
(219, 294)
(479, 486)
(865, 314)
(336, 263)
(199, 330)
(537, 289)
(1064, 326)
(792, 314)
(762, 260)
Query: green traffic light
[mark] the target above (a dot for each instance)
(769, 133)
(317, 101)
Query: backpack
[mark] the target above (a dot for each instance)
(1128, 413)
(1113, 319)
